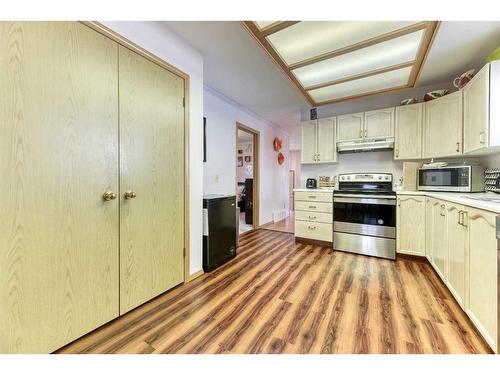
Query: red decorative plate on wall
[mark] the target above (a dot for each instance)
(277, 144)
(281, 158)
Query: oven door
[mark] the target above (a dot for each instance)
(365, 214)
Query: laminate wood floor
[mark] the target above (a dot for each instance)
(286, 225)
(277, 296)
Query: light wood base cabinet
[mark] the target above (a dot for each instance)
(314, 215)
(410, 225)
(461, 245)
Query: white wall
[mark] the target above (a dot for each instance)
(158, 39)
(295, 165)
(219, 176)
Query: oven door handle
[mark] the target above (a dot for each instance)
(382, 201)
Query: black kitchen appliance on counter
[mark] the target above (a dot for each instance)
(311, 183)
(219, 230)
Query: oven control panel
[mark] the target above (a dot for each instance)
(365, 177)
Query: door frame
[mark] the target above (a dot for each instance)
(106, 31)
(256, 169)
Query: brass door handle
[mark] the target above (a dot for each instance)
(108, 196)
(129, 195)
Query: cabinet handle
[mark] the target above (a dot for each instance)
(465, 217)
(360, 133)
(399, 202)
(318, 158)
(481, 138)
(129, 195)
(311, 228)
(397, 153)
(442, 210)
(366, 133)
(311, 196)
(313, 207)
(460, 218)
(458, 146)
(109, 196)
(312, 217)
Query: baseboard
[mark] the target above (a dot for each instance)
(195, 276)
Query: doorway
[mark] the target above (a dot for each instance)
(247, 177)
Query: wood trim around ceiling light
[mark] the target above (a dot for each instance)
(423, 51)
(361, 75)
(254, 31)
(363, 44)
(277, 26)
(359, 96)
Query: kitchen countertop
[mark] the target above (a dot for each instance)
(467, 199)
(320, 190)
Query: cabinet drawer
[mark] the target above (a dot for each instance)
(314, 231)
(314, 206)
(313, 196)
(316, 217)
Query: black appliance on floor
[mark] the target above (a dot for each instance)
(219, 230)
(249, 201)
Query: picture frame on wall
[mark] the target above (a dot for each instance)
(240, 152)
(240, 161)
(248, 159)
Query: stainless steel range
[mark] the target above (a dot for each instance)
(364, 208)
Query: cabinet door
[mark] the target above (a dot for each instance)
(327, 147)
(379, 123)
(443, 126)
(59, 154)
(408, 132)
(439, 238)
(152, 166)
(411, 225)
(483, 294)
(309, 139)
(457, 247)
(476, 112)
(429, 225)
(350, 127)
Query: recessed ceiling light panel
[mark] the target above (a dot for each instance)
(309, 39)
(378, 56)
(378, 82)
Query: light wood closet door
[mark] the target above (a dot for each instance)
(152, 166)
(58, 155)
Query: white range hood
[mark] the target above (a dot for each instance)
(366, 145)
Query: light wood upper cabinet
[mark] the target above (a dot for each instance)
(379, 123)
(410, 238)
(483, 294)
(152, 166)
(350, 127)
(309, 138)
(327, 147)
(443, 126)
(476, 112)
(457, 251)
(59, 154)
(408, 132)
(318, 141)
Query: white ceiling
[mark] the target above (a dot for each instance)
(236, 65)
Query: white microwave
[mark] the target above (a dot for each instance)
(461, 178)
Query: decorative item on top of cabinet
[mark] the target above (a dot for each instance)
(410, 221)
(443, 126)
(408, 132)
(379, 123)
(481, 117)
(319, 141)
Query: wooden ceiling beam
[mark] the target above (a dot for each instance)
(363, 44)
(361, 75)
(277, 26)
(423, 52)
(254, 31)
